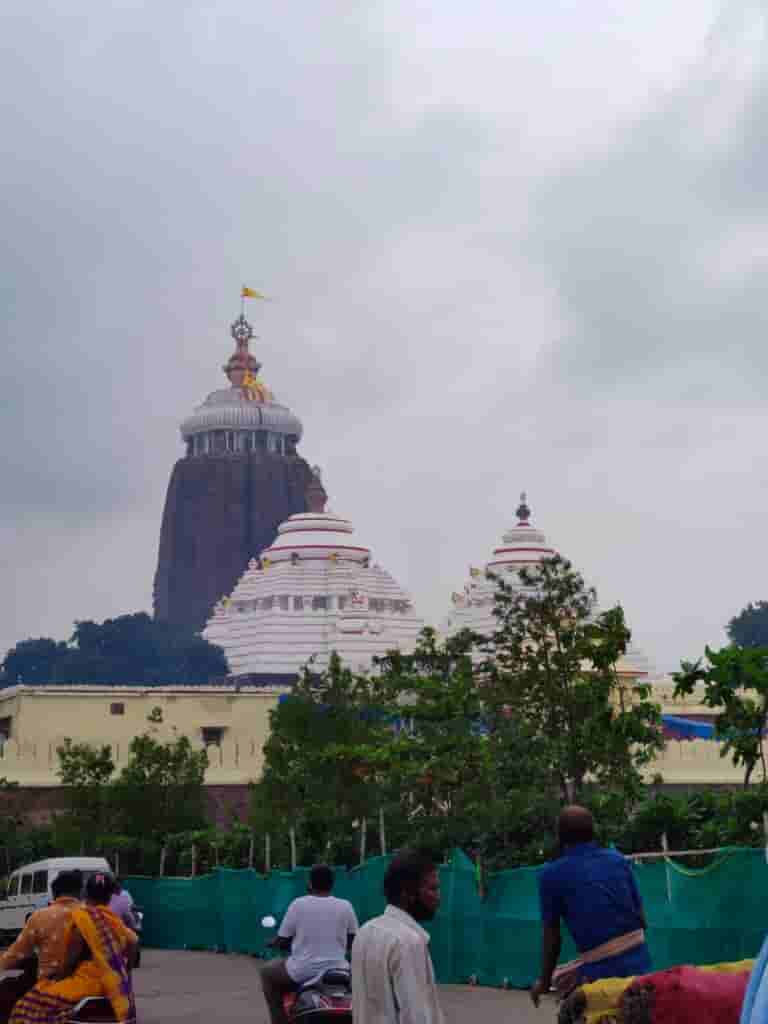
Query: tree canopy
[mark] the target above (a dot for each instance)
(128, 649)
(750, 627)
(472, 741)
(735, 681)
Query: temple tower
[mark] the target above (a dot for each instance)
(240, 477)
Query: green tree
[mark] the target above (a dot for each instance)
(553, 664)
(128, 649)
(316, 779)
(750, 627)
(86, 772)
(32, 661)
(160, 790)
(447, 759)
(735, 682)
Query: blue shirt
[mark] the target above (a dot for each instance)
(594, 891)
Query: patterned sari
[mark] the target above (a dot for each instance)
(104, 974)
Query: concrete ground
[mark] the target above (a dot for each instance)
(175, 987)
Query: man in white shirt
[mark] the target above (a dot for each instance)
(318, 929)
(393, 981)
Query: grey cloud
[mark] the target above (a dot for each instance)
(475, 290)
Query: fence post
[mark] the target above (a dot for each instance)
(251, 851)
(382, 833)
(363, 838)
(162, 861)
(194, 859)
(292, 837)
(267, 853)
(665, 848)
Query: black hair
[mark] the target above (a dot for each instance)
(100, 888)
(321, 878)
(67, 883)
(575, 825)
(407, 867)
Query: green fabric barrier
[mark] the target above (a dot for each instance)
(709, 916)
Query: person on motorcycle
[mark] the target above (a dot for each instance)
(318, 930)
(121, 905)
(47, 930)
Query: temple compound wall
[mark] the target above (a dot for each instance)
(35, 721)
(232, 724)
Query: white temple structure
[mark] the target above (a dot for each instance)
(521, 547)
(314, 591)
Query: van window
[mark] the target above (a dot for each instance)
(26, 885)
(40, 882)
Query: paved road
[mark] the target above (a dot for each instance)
(184, 987)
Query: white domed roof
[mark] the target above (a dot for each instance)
(523, 546)
(230, 409)
(314, 591)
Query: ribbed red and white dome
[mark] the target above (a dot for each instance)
(314, 591)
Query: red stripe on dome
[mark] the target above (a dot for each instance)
(541, 551)
(314, 547)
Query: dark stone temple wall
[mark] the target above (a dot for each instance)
(221, 511)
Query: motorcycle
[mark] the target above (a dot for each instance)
(324, 1000)
(139, 928)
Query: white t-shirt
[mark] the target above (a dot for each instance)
(319, 927)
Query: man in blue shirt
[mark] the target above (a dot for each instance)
(594, 891)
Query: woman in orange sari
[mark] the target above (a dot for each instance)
(101, 948)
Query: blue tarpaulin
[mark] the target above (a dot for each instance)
(688, 728)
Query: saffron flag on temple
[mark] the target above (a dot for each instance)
(251, 293)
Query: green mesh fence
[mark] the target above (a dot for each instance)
(709, 916)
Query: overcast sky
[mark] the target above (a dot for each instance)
(512, 246)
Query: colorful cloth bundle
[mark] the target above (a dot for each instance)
(685, 994)
(601, 1001)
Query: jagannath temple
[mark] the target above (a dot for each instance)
(314, 591)
(239, 478)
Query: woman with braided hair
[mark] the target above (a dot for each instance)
(100, 948)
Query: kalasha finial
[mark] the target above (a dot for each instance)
(523, 512)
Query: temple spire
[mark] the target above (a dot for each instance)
(523, 511)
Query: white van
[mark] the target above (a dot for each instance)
(30, 888)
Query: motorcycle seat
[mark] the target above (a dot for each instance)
(336, 976)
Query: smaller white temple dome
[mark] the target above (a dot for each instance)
(523, 546)
(314, 591)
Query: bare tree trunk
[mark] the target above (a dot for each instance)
(251, 851)
(162, 861)
(363, 838)
(194, 859)
(267, 853)
(382, 833)
(292, 837)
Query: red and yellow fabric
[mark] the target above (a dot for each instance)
(104, 974)
(599, 1002)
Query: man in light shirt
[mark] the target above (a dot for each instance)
(393, 981)
(318, 929)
